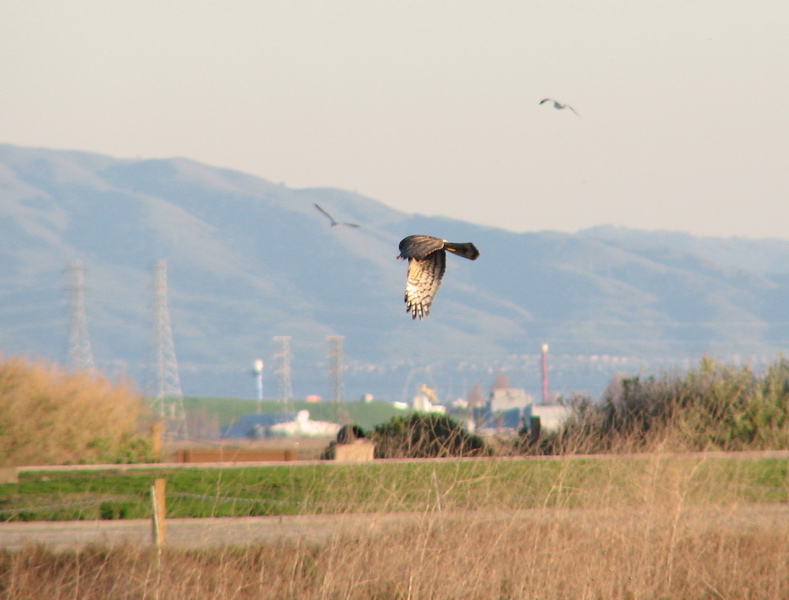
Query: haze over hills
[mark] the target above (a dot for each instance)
(249, 259)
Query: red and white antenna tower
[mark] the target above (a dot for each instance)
(545, 399)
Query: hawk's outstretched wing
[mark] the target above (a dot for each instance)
(424, 277)
(427, 260)
(419, 246)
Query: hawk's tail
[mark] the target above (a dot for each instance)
(466, 250)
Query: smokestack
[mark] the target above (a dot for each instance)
(545, 373)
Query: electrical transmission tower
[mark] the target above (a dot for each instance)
(283, 357)
(80, 355)
(335, 366)
(167, 395)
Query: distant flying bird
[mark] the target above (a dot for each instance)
(332, 221)
(559, 105)
(427, 261)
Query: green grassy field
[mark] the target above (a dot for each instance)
(385, 486)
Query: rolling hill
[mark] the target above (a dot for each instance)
(249, 259)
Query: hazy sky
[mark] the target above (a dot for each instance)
(431, 107)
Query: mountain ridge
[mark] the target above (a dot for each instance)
(249, 259)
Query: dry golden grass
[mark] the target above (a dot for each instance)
(561, 555)
(53, 417)
(657, 531)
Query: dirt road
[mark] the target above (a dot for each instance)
(193, 533)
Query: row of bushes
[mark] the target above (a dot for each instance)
(713, 407)
(51, 416)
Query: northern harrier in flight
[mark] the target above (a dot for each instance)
(427, 261)
(332, 222)
(559, 105)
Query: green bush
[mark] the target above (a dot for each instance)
(713, 407)
(425, 435)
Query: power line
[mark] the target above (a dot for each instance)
(80, 354)
(283, 357)
(335, 366)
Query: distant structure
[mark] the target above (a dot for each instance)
(335, 366)
(167, 395)
(545, 374)
(427, 401)
(283, 356)
(258, 371)
(506, 409)
(279, 425)
(80, 355)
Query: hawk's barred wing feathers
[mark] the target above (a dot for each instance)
(427, 259)
(424, 277)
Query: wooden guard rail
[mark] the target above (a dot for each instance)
(208, 455)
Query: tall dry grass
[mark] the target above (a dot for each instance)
(54, 417)
(656, 528)
(560, 559)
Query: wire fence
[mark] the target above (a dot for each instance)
(89, 502)
(142, 496)
(229, 499)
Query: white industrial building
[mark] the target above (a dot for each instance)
(258, 426)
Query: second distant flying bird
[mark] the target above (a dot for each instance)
(334, 223)
(559, 105)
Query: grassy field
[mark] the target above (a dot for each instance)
(386, 486)
(626, 527)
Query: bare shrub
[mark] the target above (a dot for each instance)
(53, 417)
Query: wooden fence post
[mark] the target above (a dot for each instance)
(157, 431)
(157, 496)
